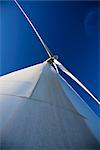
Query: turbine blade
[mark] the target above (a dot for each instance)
(75, 79)
(34, 29)
(56, 67)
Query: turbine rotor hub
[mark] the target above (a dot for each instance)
(51, 59)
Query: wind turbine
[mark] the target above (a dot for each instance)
(40, 110)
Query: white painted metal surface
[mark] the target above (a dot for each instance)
(39, 110)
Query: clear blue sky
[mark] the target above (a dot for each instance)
(69, 28)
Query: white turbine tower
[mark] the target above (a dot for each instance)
(40, 110)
